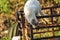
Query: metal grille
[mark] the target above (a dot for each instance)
(46, 27)
(52, 32)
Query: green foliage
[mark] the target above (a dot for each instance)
(57, 33)
(4, 6)
(57, 1)
(5, 38)
(36, 36)
(58, 21)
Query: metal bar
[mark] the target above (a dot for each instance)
(48, 16)
(46, 27)
(47, 38)
(45, 31)
(51, 10)
(51, 7)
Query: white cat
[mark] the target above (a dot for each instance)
(31, 9)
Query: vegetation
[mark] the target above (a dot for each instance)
(5, 6)
(57, 1)
(5, 38)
